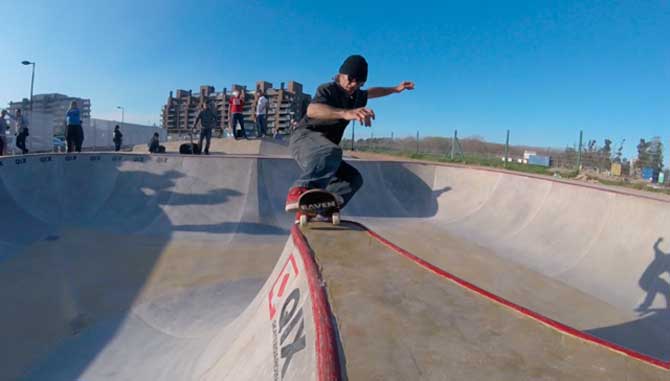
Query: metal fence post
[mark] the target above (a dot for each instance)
(453, 144)
(507, 148)
(417, 142)
(579, 151)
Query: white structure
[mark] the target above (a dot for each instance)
(527, 155)
(52, 108)
(99, 133)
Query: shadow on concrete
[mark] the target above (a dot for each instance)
(651, 281)
(649, 335)
(231, 227)
(393, 190)
(86, 276)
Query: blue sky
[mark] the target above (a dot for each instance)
(542, 69)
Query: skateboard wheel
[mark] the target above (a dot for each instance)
(303, 220)
(336, 218)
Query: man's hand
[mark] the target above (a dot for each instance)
(405, 85)
(364, 115)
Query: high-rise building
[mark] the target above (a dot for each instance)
(284, 105)
(52, 107)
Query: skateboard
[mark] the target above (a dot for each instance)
(319, 205)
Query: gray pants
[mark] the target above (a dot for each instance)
(320, 161)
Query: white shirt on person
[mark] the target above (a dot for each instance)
(262, 106)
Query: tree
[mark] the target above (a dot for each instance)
(642, 154)
(650, 154)
(655, 152)
(619, 152)
(605, 155)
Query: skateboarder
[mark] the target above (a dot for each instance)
(315, 142)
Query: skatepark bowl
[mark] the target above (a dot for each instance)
(168, 267)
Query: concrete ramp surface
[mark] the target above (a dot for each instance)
(166, 267)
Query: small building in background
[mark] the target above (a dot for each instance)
(541, 160)
(616, 169)
(527, 154)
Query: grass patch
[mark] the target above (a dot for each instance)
(486, 161)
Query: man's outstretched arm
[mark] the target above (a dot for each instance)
(325, 112)
(377, 92)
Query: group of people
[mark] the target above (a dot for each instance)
(237, 117)
(74, 132)
(208, 121)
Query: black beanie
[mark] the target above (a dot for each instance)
(355, 66)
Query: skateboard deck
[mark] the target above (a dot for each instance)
(318, 204)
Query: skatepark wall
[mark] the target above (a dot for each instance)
(580, 235)
(285, 333)
(598, 241)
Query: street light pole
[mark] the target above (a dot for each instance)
(123, 113)
(32, 82)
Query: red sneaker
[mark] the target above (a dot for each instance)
(293, 197)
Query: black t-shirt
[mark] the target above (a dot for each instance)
(333, 95)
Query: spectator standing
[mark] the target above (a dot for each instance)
(21, 125)
(261, 113)
(74, 133)
(207, 120)
(118, 138)
(236, 116)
